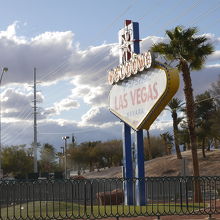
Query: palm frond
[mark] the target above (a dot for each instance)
(170, 34)
(175, 103)
(185, 45)
(190, 32)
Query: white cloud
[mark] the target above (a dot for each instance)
(98, 115)
(66, 104)
(56, 57)
(80, 92)
(147, 42)
(46, 52)
(51, 131)
(215, 56)
(58, 107)
(17, 105)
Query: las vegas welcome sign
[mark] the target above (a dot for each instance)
(141, 90)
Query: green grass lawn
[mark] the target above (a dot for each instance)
(67, 210)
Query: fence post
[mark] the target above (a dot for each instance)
(210, 217)
(85, 197)
(91, 196)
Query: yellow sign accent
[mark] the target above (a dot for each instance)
(173, 82)
(139, 99)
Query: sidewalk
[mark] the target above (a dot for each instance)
(175, 217)
(172, 217)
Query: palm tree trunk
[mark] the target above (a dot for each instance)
(175, 132)
(203, 147)
(188, 146)
(149, 145)
(209, 146)
(188, 91)
(165, 144)
(215, 143)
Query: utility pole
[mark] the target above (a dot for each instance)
(35, 123)
(5, 69)
(73, 140)
(65, 155)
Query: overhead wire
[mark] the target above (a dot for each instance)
(113, 22)
(15, 137)
(30, 116)
(117, 17)
(63, 64)
(191, 8)
(184, 12)
(108, 26)
(149, 10)
(20, 114)
(27, 117)
(59, 67)
(7, 137)
(197, 102)
(24, 111)
(208, 12)
(153, 24)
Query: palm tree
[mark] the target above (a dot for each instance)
(168, 142)
(174, 106)
(59, 155)
(149, 145)
(190, 52)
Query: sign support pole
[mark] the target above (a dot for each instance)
(137, 101)
(127, 165)
(126, 137)
(139, 146)
(139, 141)
(139, 169)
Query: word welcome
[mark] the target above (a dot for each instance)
(136, 97)
(136, 64)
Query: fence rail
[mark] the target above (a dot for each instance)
(102, 198)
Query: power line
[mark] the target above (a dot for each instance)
(107, 27)
(63, 64)
(209, 11)
(118, 17)
(149, 10)
(197, 102)
(27, 118)
(18, 134)
(184, 12)
(164, 15)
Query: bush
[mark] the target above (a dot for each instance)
(115, 197)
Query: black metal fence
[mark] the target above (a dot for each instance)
(102, 198)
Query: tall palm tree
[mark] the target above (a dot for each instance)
(149, 145)
(190, 52)
(168, 142)
(174, 106)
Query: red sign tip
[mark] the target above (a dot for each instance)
(127, 22)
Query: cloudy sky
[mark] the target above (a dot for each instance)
(72, 44)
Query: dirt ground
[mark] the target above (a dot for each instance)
(169, 166)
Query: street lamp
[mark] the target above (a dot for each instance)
(65, 156)
(5, 69)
